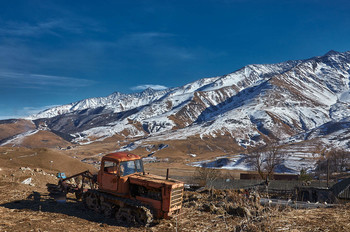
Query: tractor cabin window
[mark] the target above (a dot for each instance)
(110, 167)
(130, 167)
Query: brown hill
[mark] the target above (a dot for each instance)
(9, 128)
(45, 139)
(47, 159)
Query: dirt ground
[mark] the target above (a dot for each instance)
(28, 207)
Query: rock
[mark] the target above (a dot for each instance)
(27, 181)
(25, 169)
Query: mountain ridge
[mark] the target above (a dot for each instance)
(254, 105)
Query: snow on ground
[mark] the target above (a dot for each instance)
(104, 132)
(345, 97)
(292, 164)
(18, 138)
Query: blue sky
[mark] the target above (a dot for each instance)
(58, 52)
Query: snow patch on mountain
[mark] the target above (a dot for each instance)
(291, 101)
(117, 102)
(17, 139)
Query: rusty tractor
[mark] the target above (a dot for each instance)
(123, 190)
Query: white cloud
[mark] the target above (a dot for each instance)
(4, 117)
(26, 29)
(25, 112)
(161, 46)
(143, 87)
(29, 110)
(52, 27)
(147, 36)
(22, 80)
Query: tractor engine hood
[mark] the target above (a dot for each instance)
(153, 181)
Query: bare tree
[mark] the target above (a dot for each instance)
(206, 176)
(335, 160)
(343, 160)
(265, 159)
(256, 159)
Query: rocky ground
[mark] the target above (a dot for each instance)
(26, 206)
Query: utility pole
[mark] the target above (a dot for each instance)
(328, 173)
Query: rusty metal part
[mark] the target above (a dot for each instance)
(121, 156)
(133, 198)
(124, 210)
(143, 216)
(107, 209)
(124, 216)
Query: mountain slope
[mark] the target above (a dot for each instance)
(255, 104)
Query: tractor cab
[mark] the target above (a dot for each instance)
(115, 170)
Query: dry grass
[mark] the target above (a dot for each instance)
(321, 219)
(48, 159)
(208, 210)
(16, 127)
(200, 213)
(45, 139)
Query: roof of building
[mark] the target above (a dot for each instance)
(341, 189)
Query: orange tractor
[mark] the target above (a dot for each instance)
(122, 189)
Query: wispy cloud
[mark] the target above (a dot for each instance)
(143, 87)
(4, 117)
(146, 36)
(22, 80)
(29, 110)
(25, 112)
(53, 27)
(158, 45)
(26, 29)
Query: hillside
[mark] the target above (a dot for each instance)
(10, 128)
(255, 104)
(303, 104)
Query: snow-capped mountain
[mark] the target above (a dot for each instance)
(288, 101)
(117, 102)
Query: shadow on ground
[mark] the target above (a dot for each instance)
(44, 203)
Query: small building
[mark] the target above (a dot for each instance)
(342, 190)
(314, 194)
(339, 192)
